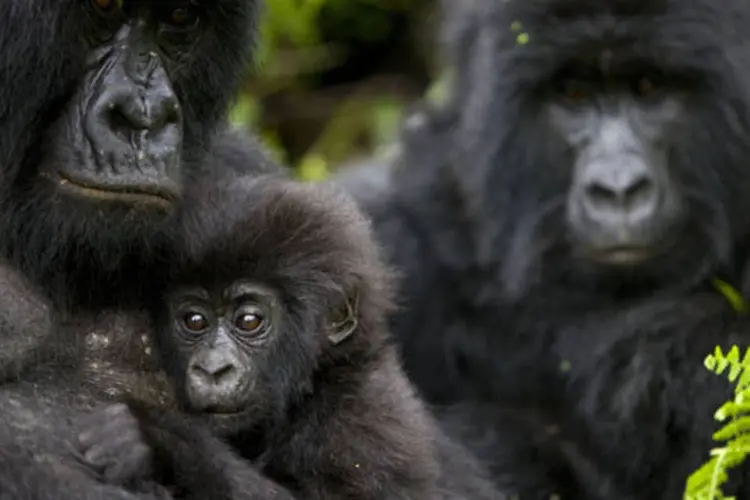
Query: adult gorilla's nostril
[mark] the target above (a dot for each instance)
(620, 190)
(623, 197)
(640, 193)
(147, 110)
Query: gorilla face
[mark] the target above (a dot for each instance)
(608, 145)
(124, 122)
(119, 101)
(623, 205)
(119, 137)
(265, 295)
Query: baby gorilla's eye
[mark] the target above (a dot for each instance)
(195, 322)
(107, 6)
(248, 322)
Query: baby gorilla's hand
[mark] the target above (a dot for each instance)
(110, 444)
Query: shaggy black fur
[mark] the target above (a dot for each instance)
(501, 301)
(274, 334)
(106, 112)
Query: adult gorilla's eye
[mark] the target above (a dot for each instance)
(195, 322)
(645, 86)
(183, 18)
(248, 322)
(575, 91)
(107, 7)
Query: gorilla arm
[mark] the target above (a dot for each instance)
(26, 320)
(173, 450)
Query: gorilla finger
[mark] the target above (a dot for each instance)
(105, 417)
(135, 463)
(102, 451)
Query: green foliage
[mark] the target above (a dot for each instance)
(729, 292)
(706, 482)
(284, 101)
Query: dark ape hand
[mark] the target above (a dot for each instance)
(110, 444)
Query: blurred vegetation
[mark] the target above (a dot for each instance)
(333, 76)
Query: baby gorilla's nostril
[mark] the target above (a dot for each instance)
(223, 373)
(214, 373)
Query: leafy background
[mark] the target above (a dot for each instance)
(333, 77)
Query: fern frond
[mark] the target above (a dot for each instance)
(705, 483)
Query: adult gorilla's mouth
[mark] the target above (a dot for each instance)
(142, 195)
(622, 255)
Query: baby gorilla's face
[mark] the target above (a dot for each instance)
(240, 354)
(219, 342)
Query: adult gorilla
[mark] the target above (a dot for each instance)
(594, 158)
(106, 109)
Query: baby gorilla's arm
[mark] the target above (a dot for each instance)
(125, 443)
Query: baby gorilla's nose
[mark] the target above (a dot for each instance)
(214, 381)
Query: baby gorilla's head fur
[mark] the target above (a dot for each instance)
(278, 291)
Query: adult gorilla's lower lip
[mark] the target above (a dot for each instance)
(622, 256)
(129, 194)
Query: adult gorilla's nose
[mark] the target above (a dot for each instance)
(139, 109)
(135, 121)
(140, 116)
(625, 193)
(622, 207)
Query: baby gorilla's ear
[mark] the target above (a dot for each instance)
(343, 320)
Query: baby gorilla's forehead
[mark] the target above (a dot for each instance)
(270, 224)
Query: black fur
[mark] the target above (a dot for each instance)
(325, 418)
(494, 296)
(94, 257)
(27, 321)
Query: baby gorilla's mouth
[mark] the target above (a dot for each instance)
(219, 411)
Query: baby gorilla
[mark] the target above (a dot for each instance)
(274, 333)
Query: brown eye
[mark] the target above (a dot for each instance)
(107, 6)
(644, 87)
(195, 322)
(184, 17)
(248, 322)
(575, 91)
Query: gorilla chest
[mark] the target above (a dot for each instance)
(111, 354)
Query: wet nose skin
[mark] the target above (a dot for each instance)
(621, 191)
(151, 109)
(131, 118)
(215, 373)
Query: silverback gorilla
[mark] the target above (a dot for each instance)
(273, 330)
(107, 107)
(592, 169)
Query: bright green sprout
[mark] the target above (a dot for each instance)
(731, 294)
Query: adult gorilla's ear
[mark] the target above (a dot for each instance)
(343, 320)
